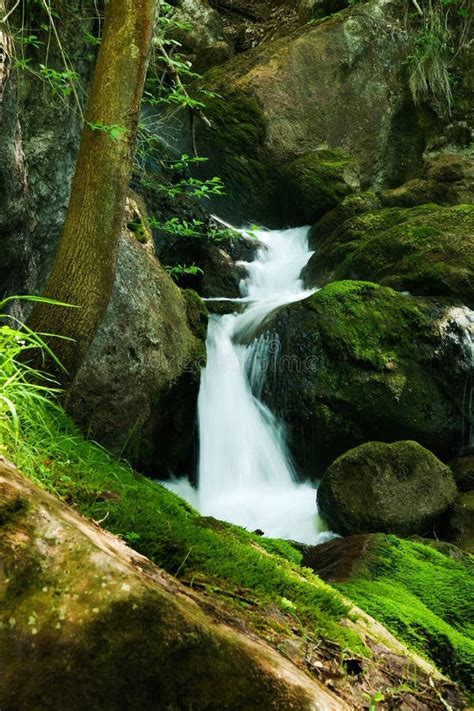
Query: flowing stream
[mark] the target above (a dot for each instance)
(246, 475)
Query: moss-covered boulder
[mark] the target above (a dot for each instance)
(462, 521)
(359, 362)
(314, 183)
(399, 488)
(336, 85)
(447, 179)
(422, 593)
(136, 391)
(427, 250)
(463, 472)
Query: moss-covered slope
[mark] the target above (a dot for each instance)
(423, 595)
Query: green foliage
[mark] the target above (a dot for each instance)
(440, 29)
(61, 82)
(423, 596)
(21, 387)
(180, 269)
(38, 30)
(194, 228)
(113, 130)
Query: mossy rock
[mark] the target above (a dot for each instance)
(427, 250)
(463, 472)
(99, 626)
(462, 521)
(141, 356)
(360, 362)
(399, 488)
(238, 156)
(421, 594)
(314, 183)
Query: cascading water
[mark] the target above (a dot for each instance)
(246, 475)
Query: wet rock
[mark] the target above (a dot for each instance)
(336, 560)
(358, 362)
(398, 488)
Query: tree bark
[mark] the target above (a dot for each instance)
(83, 270)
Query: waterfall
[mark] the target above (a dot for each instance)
(246, 475)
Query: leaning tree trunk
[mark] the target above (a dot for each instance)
(84, 266)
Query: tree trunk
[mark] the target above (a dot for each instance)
(84, 267)
(5, 53)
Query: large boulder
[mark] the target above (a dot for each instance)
(421, 590)
(136, 390)
(398, 488)
(358, 362)
(427, 250)
(299, 121)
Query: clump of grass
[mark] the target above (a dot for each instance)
(441, 31)
(22, 388)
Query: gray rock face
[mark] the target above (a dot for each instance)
(203, 38)
(15, 237)
(398, 488)
(137, 387)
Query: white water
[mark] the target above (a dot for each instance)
(246, 475)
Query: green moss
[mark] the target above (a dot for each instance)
(423, 596)
(197, 313)
(237, 137)
(427, 250)
(364, 322)
(314, 182)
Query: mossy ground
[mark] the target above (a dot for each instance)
(423, 596)
(157, 523)
(232, 564)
